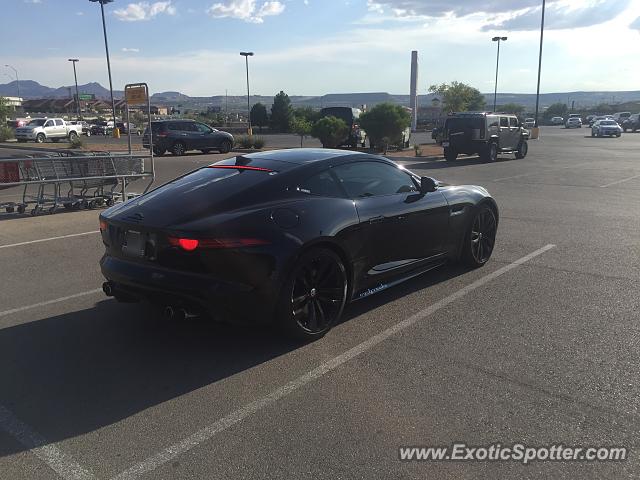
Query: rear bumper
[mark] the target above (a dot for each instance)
(226, 300)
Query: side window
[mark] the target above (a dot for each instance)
(322, 184)
(368, 179)
(504, 121)
(189, 127)
(48, 123)
(493, 122)
(173, 126)
(58, 123)
(513, 122)
(202, 128)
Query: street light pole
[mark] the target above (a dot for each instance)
(246, 56)
(539, 63)
(17, 79)
(106, 47)
(75, 77)
(495, 91)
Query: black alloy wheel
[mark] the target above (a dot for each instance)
(315, 295)
(178, 149)
(225, 146)
(523, 148)
(480, 238)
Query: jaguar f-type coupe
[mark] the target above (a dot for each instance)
(289, 236)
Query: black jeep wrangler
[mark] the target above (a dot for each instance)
(485, 134)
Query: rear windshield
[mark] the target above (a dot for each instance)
(464, 123)
(343, 113)
(607, 122)
(37, 122)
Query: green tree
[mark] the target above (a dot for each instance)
(302, 127)
(281, 113)
(331, 131)
(5, 110)
(514, 108)
(308, 113)
(556, 110)
(385, 123)
(459, 97)
(259, 115)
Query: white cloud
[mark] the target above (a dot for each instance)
(136, 12)
(33, 1)
(131, 50)
(80, 14)
(246, 10)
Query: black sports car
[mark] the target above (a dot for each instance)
(289, 236)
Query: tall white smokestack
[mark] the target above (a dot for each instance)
(413, 95)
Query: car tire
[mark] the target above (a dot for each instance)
(225, 146)
(618, 135)
(73, 136)
(40, 138)
(491, 154)
(523, 149)
(450, 154)
(592, 133)
(206, 150)
(313, 298)
(479, 238)
(158, 152)
(178, 149)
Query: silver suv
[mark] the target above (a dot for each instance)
(485, 134)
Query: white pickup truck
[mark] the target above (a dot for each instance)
(40, 129)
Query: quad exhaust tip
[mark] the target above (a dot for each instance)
(177, 313)
(107, 288)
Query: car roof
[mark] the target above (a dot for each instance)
(303, 155)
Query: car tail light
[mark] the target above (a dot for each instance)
(103, 226)
(191, 244)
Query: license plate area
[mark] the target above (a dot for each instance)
(134, 244)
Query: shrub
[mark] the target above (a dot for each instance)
(76, 142)
(6, 133)
(417, 150)
(245, 141)
(385, 123)
(331, 131)
(258, 142)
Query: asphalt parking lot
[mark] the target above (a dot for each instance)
(541, 346)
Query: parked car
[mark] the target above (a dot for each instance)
(485, 134)
(529, 122)
(557, 121)
(17, 123)
(180, 136)
(288, 237)
(356, 135)
(41, 129)
(632, 123)
(600, 117)
(607, 128)
(100, 128)
(590, 119)
(620, 117)
(86, 128)
(124, 128)
(573, 122)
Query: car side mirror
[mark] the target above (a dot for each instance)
(428, 184)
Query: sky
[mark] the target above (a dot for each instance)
(314, 47)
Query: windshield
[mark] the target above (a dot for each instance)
(38, 122)
(608, 122)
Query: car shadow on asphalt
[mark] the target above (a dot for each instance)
(75, 373)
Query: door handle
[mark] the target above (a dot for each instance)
(377, 219)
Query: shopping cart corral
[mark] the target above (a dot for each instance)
(71, 180)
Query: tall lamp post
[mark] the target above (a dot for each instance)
(106, 47)
(75, 77)
(539, 64)
(17, 79)
(495, 91)
(246, 56)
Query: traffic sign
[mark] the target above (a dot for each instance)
(136, 95)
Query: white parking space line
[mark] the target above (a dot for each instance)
(49, 239)
(619, 181)
(50, 302)
(541, 171)
(208, 432)
(61, 463)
